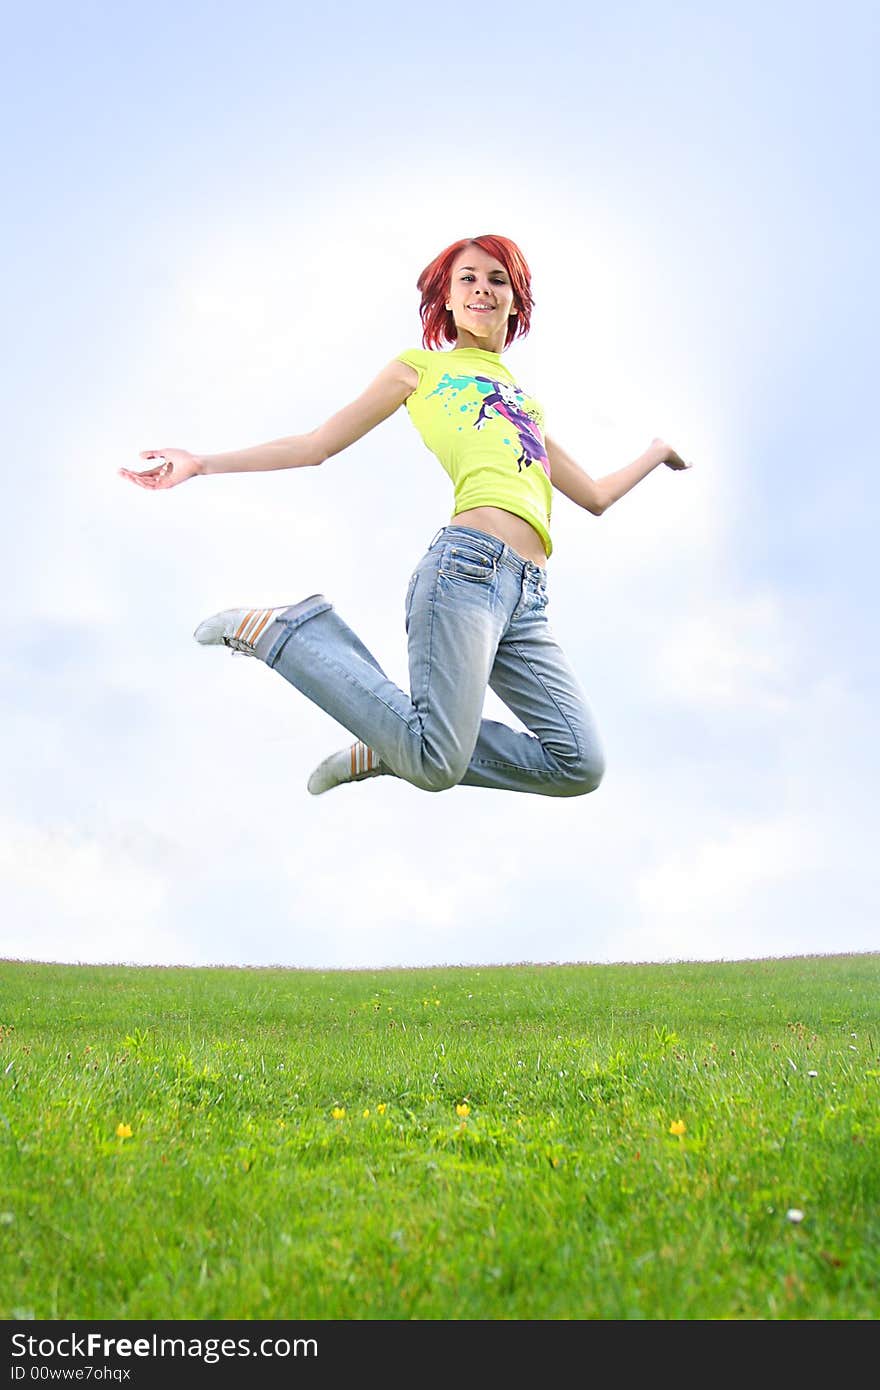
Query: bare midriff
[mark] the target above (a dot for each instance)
(514, 530)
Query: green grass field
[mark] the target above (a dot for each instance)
(683, 1141)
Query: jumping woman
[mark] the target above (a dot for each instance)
(476, 603)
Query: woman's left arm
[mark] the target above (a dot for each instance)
(597, 494)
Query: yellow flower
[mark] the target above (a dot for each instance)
(123, 1131)
(381, 1107)
(366, 1114)
(677, 1127)
(463, 1110)
(338, 1112)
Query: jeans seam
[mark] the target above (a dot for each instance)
(515, 767)
(431, 603)
(561, 712)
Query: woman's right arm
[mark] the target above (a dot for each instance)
(385, 394)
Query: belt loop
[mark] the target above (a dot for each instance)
(436, 538)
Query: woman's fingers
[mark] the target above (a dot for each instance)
(174, 466)
(676, 461)
(671, 459)
(149, 477)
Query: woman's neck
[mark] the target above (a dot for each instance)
(467, 340)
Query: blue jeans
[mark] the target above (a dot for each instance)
(475, 617)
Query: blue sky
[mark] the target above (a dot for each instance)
(217, 218)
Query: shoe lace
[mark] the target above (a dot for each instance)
(238, 648)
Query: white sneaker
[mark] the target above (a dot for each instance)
(238, 628)
(348, 765)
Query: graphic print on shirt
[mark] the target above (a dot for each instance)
(506, 401)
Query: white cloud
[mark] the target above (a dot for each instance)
(73, 897)
(723, 874)
(729, 653)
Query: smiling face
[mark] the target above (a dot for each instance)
(481, 300)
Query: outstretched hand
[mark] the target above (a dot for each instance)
(175, 467)
(670, 457)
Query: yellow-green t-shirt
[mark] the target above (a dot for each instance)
(487, 433)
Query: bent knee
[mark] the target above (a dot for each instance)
(583, 774)
(439, 777)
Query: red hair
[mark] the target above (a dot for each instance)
(438, 323)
